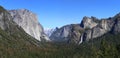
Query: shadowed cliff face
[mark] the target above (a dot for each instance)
(90, 28)
(5, 19)
(69, 33)
(29, 22)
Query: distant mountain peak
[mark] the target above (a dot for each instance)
(49, 31)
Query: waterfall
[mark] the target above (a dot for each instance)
(81, 39)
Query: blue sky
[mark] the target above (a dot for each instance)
(56, 13)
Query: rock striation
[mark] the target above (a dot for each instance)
(88, 22)
(108, 25)
(29, 22)
(89, 28)
(69, 34)
(11, 34)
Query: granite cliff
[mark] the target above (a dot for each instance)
(29, 22)
(89, 28)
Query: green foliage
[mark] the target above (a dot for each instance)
(103, 47)
(20, 45)
(15, 43)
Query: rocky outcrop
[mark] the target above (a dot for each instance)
(74, 33)
(5, 19)
(88, 22)
(116, 27)
(61, 34)
(28, 21)
(89, 28)
(11, 34)
(69, 33)
(103, 27)
(108, 25)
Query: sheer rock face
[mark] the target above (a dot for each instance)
(28, 21)
(89, 22)
(116, 27)
(89, 28)
(108, 25)
(61, 34)
(69, 33)
(99, 30)
(5, 19)
(4, 24)
(13, 35)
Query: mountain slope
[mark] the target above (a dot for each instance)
(108, 25)
(29, 22)
(69, 33)
(14, 41)
(89, 28)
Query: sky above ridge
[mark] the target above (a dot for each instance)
(57, 13)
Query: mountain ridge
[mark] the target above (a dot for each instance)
(16, 43)
(89, 28)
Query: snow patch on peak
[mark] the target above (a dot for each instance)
(49, 31)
